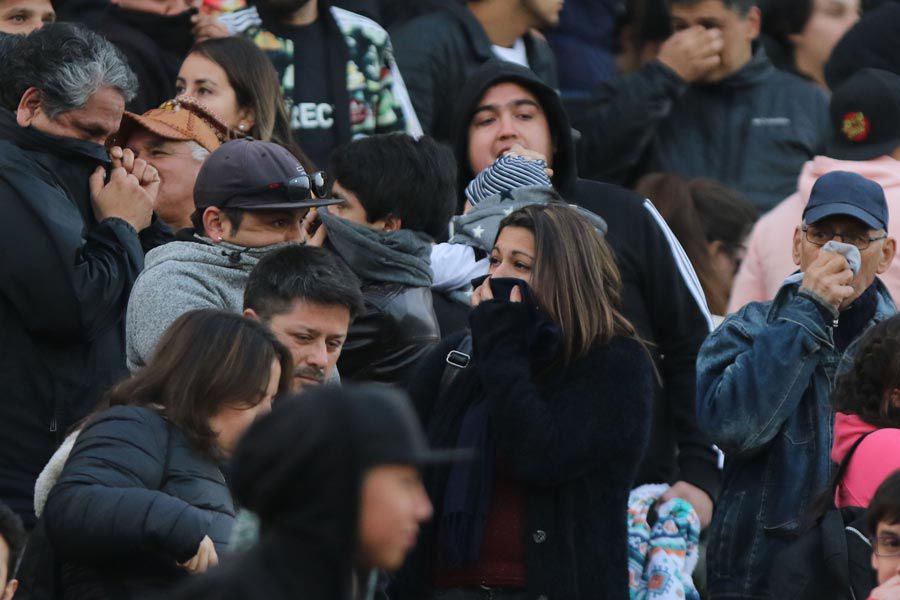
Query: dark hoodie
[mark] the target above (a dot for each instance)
(300, 470)
(661, 295)
(155, 46)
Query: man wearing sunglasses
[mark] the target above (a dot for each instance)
(764, 378)
(251, 198)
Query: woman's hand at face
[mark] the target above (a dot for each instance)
(205, 558)
(483, 292)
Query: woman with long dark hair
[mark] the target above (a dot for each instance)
(142, 500)
(236, 80)
(553, 390)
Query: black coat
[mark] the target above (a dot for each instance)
(64, 285)
(436, 53)
(573, 441)
(660, 292)
(134, 499)
(155, 46)
(752, 131)
(396, 330)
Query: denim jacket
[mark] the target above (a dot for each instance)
(764, 380)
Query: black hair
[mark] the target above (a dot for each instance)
(876, 369)
(885, 504)
(739, 6)
(303, 273)
(780, 20)
(396, 174)
(235, 217)
(13, 533)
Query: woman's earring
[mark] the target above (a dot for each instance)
(242, 126)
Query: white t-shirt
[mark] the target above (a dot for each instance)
(516, 54)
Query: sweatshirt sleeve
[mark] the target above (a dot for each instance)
(620, 127)
(680, 321)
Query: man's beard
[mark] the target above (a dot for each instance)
(282, 8)
(307, 373)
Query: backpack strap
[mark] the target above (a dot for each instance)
(457, 360)
(842, 468)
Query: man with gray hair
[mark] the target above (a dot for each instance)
(175, 139)
(69, 245)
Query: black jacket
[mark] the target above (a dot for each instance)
(134, 499)
(396, 330)
(64, 285)
(572, 438)
(752, 131)
(661, 295)
(436, 53)
(155, 46)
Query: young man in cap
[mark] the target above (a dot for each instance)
(334, 476)
(250, 197)
(764, 379)
(175, 138)
(865, 114)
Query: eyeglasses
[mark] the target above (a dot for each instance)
(298, 189)
(886, 547)
(820, 237)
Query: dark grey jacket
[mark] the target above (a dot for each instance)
(436, 54)
(134, 499)
(751, 131)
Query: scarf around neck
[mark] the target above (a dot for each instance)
(402, 257)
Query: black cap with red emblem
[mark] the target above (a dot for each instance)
(865, 114)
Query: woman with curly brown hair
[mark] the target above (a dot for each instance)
(867, 401)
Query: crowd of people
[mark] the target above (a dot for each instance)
(449, 299)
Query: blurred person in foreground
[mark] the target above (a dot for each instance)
(334, 475)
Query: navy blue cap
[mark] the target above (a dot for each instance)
(847, 194)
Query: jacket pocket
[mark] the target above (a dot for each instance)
(723, 548)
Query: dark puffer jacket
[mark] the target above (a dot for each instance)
(134, 500)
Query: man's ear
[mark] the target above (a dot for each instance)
(214, 223)
(29, 107)
(798, 244)
(251, 314)
(888, 250)
(753, 20)
(392, 223)
(10, 590)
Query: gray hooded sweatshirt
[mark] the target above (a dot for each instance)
(183, 276)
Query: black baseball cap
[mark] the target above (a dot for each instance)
(847, 194)
(865, 115)
(248, 174)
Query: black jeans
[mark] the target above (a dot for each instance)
(480, 593)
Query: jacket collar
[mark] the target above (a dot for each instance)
(28, 138)
(754, 72)
(883, 309)
(478, 38)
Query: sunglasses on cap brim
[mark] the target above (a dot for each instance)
(298, 189)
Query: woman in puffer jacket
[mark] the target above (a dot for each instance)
(142, 500)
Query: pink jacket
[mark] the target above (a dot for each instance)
(769, 257)
(874, 460)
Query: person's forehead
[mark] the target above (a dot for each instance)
(43, 6)
(330, 319)
(703, 9)
(885, 527)
(842, 222)
(507, 92)
(105, 108)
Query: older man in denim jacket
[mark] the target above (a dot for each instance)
(765, 378)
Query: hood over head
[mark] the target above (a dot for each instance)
(495, 72)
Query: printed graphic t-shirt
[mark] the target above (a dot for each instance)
(311, 110)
